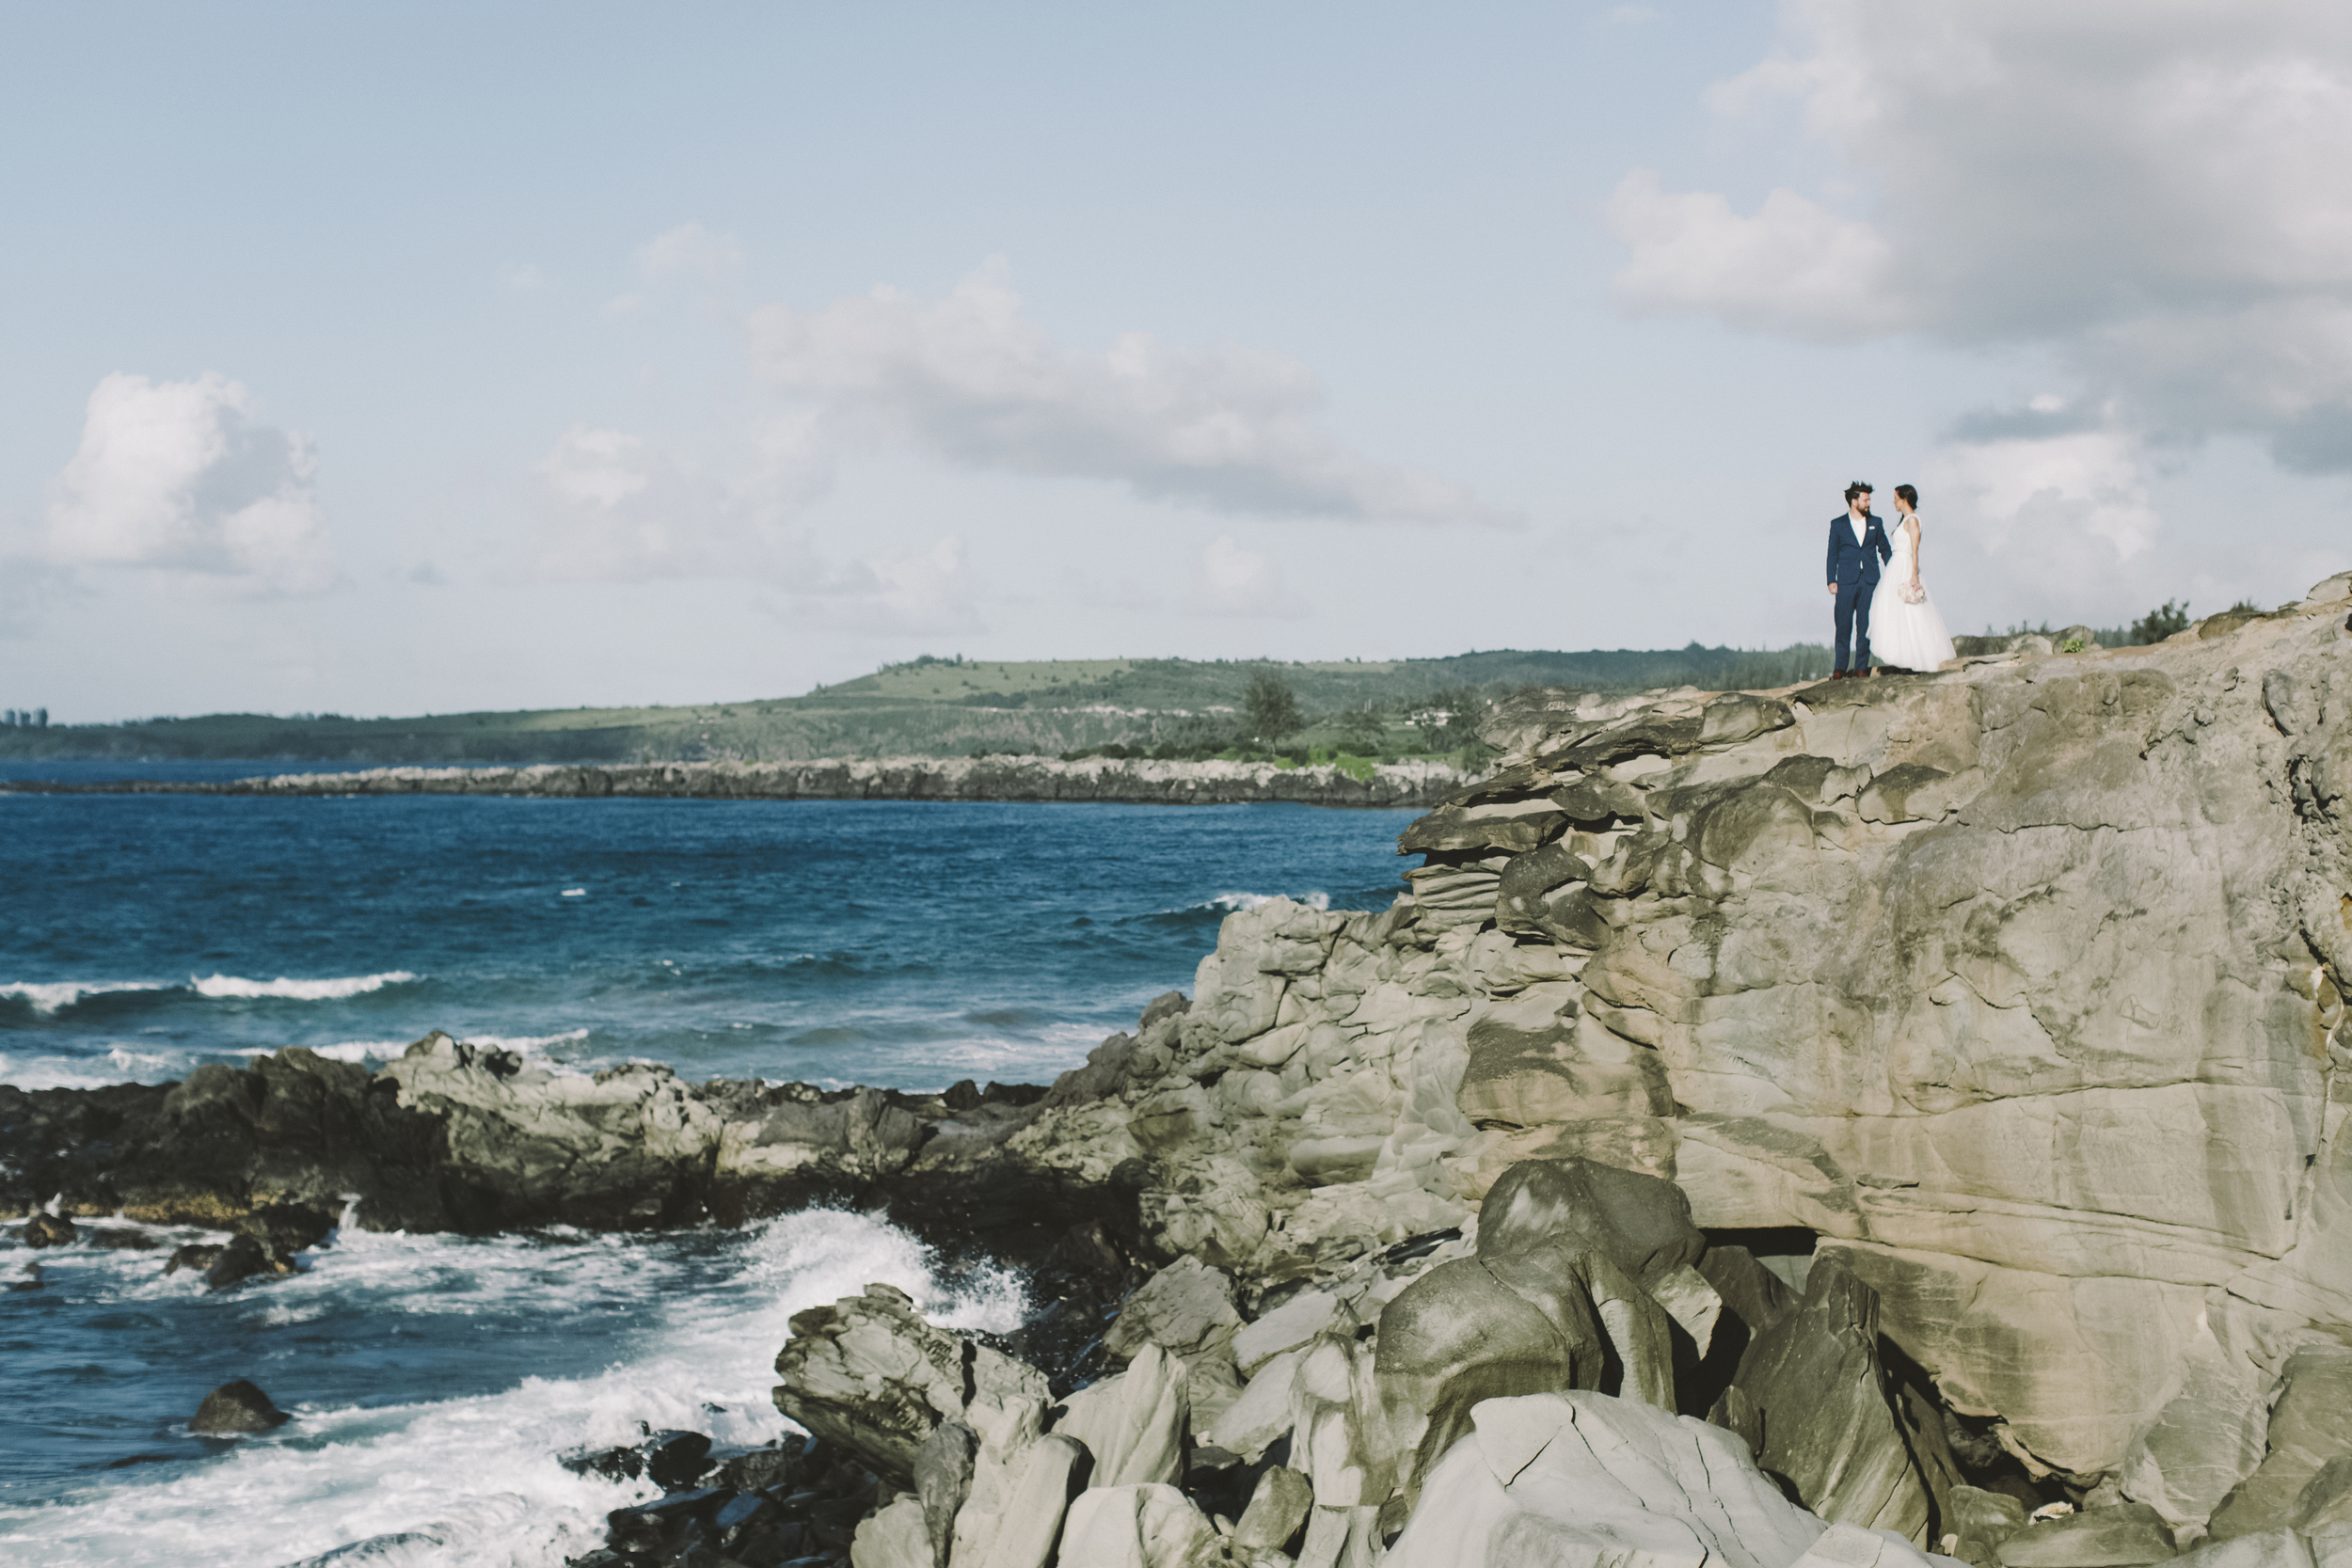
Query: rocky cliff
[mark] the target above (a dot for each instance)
(2015, 985)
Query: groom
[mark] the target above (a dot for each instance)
(1856, 546)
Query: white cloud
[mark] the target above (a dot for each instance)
(621, 506)
(2152, 190)
(1795, 269)
(2081, 497)
(179, 474)
(1236, 580)
(924, 592)
(690, 249)
(971, 379)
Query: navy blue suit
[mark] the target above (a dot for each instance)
(1855, 569)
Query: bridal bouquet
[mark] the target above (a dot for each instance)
(1911, 593)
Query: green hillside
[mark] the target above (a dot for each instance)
(952, 708)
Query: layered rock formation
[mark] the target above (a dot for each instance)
(1133, 782)
(2015, 985)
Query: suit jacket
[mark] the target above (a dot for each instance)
(1849, 562)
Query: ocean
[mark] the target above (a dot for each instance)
(435, 1379)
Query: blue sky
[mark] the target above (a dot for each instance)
(439, 358)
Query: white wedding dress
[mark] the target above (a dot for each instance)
(1908, 636)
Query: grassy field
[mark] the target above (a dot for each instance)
(954, 707)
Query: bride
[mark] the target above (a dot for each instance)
(1906, 630)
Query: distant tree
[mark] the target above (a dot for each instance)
(1449, 719)
(2160, 623)
(1271, 707)
(1361, 729)
(2244, 606)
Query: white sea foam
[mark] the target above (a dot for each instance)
(299, 991)
(1233, 903)
(575, 892)
(49, 996)
(480, 1474)
(526, 1045)
(120, 1066)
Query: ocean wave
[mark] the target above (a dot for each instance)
(481, 1472)
(50, 996)
(525, 1044)
(1235, 903)
(299, 991)
(85, 1072)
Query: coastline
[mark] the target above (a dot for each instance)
(1135, 782)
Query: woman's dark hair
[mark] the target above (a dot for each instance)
(1910, 496)
(1858, 487)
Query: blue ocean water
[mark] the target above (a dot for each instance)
(435, 1378)
(900, 944)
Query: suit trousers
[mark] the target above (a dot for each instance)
(1853, 623)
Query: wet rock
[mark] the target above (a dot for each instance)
(674, 1460)
(199, 1256)
(48, 1230)
(243, 1258)
(1815, 1403)
(122, 1239)
(868, 1373)
(237, 1407)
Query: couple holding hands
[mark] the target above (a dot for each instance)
(1911, 634)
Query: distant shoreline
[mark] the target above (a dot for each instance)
(1132, 781)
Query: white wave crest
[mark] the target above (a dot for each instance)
(299, 991)
(526, 1043)
(119, 1066)
(48, 996)
(1233, 903)
(480, 1473)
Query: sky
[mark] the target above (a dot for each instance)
(435, 357)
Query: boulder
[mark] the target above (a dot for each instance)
(1277, 1511)
(1133, 1424)
(1018, 1522)
(1186, 1307)
(1339, 1430)
(1263, 1414)
(237, 1407)
(242, 1259)
(1139, 1526)
(1584, 1478)
(48, 1230)
(1641, 1222)
(2097, 1538)
(894, 1537)
(1814, 1402)
(1975, 1522)
(867, 1372)
(2310, 1424)
(943, 1480)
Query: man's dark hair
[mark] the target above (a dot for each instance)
(1856, 488)
(1910, 496)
